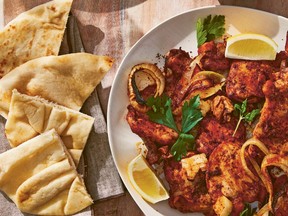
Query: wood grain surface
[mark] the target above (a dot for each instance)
(111, 27)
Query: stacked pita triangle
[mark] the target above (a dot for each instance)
(67, 79)
(40, 177)
(34, 33)
(31, 116)
(40, 96)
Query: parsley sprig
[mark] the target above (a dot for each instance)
(243, 115)
(209, 28)
(161, 113)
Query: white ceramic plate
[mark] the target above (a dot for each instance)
(179, 31)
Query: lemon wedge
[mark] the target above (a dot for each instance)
(251, 46)
(145, 181)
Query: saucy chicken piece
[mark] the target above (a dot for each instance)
(213, 57)
(212, 133)
(272, 128)
(225, 176)
(222, 108)
(154, 135)
(152, 154)
(186, 194)
(246, 79)
(147, 130)
(281, 196)
(180, 68)
(177, 62)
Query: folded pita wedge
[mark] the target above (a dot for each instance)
(67, 80)
(30, 116)
(34, 33)
(40, 177)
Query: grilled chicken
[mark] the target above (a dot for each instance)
(212, 133)
(154, 135)
(186, 194)
(182, 68)
(177, 62)
(212, 180)
(246, 79)
(226, 177)
(213, 57)
(222, 108)
(147, 130)
(272, 128)
(281, 196)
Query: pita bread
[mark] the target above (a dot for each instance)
(67, 80)
(34, 33)
(40, 177)
(30, 116)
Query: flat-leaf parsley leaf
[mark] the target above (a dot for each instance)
(191, 114)
(209, 28)
(161, 113)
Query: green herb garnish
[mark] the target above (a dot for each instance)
(248, 210)
(248, 117)
(161, 113)
(210, 28)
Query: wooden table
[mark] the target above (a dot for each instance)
(111, 27)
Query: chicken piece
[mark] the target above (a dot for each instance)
(282, 55)
(221, 108)
(272, 128)
(150, 151)
(193, 164)
(154, 135)
(182, 69)
(213, 57)
(246, 79)
(187, 195)
(177, 62)
(212, 133)
(147, 130)
(281, 196)
(205, 84)
(225, 176)
(152, 155)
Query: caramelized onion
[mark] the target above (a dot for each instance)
(141, 77)
(204, 84)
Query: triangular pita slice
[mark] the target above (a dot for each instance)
(35, 33)
(30, 116)
(67, 80)
(40, 177)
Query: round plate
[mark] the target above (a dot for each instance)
(176, 32)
